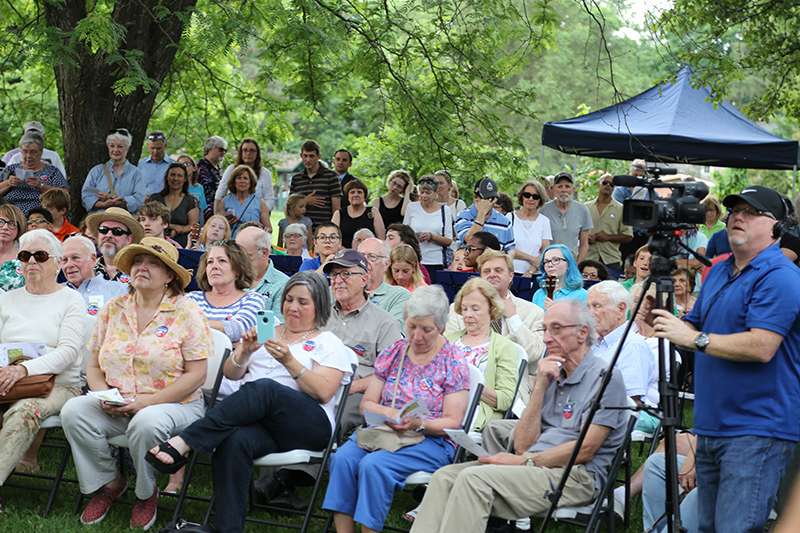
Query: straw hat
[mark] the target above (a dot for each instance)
(117, 214)
(158, 248)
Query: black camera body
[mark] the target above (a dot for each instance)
(680, 211)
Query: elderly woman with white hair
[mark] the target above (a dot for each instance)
(58, 324)
(117, 182)
(296, 237)
(425, 365)
(21, 184)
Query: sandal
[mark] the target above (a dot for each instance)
(411, 515)
(164, 468)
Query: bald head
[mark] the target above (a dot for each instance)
(377, 253)
(257, 243)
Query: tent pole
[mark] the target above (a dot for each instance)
(575, 165)
(794, 184)
(541, 161)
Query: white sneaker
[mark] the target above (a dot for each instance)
(619, 507)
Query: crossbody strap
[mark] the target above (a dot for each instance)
(110, 183)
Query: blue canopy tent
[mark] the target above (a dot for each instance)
(673, 123)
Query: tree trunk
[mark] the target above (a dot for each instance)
(88, 105)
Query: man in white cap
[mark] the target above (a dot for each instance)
(48, 156)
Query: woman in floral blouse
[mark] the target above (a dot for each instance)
(427, 366)
(152, 345)
(12, 225)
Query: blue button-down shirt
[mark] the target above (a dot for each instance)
(129, 185)
(97, 291)
(154, 173)
(636, 362)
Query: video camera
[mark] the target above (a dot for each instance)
(682, 210)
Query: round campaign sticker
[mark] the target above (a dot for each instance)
(161, 331)
(124, 278)
(568, 411)
(309, 345)
(425, 384)
(92, 310)
(19, 269)
(360, 350)
(44, 178)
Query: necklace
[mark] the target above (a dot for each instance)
(309, 332)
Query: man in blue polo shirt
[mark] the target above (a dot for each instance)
(745, 329)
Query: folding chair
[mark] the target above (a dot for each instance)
(216, 361)
(54, 422)
(298, 457)
(590, 515)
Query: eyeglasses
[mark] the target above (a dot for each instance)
(531, 195)
(750, 212)
(156, 137)
(470, 249)
(327, 238)
(374, 257)
(119, 130)
(248, 150)
(37, 221)
(606, 182)
(292, 236)
(344, 274)
(555, 329)
(116, 232)
(10, 223)
(590, 275)
(41, 256)
(554, 261)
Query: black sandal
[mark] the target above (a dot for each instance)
(161, 466)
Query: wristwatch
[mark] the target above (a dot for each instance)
(529, 460)
(701, 341)
(421, 428)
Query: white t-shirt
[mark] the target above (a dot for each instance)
(424, 222)
(326, 349)
(263, 187)
(528, 236)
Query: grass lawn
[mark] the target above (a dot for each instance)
(25, 507)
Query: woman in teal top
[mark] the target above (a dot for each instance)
(558, 261)
(713, 213)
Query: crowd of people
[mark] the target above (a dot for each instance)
(367, 285)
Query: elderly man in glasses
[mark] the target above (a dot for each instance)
(608, 232)
(114, 229)
(154, 166)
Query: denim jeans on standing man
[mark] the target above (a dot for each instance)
(737, 481)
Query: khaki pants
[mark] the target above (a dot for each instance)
(461, 497)
(21, 424)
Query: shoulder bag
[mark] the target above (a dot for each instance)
(383, 437)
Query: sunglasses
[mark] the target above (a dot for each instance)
(157, 137)
(116, 232)
(119, 130)
(531, 195)
(41, 256)
(606, 182)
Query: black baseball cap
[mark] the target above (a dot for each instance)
(485, 188)
(563, 176)
(762, 198)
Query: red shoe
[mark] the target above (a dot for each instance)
(100, 503)
(144, 512)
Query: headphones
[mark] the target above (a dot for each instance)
(782, 225)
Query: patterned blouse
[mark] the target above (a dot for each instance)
(446, 374)
(11, 275)
(26, 197)
(153, 360)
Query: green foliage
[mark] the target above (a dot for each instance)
(730, 181)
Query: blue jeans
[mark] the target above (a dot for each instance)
(262, 417)
(362, 484)
(737, 481)
(654, 495)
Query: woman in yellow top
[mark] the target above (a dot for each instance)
(152, 345)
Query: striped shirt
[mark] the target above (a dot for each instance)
(327, 185)
(496, 224)
(237, 317)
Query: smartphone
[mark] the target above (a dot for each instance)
(265, 325)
